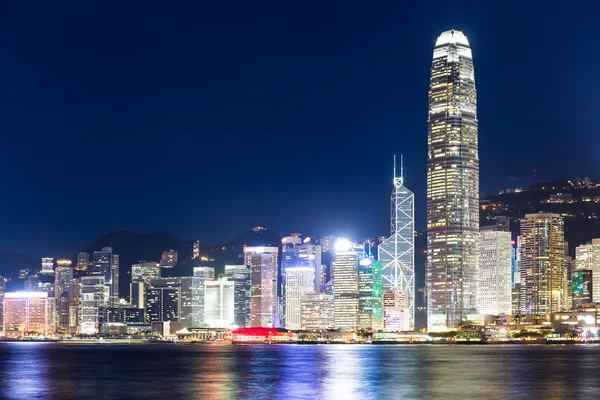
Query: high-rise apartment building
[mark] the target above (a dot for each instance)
(64, 294)
(452, 184)
(262, 262)
(92, 292)
(27, 312)
(2, 292)
(241, 276)
(397, 253)
(494, 280)
(344, 269)
(219, 310)
(587, 256)
(544, 282)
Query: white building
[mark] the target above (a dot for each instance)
(317, 312)
(344, 270)
(396, 311)
(92, 295)
(299, 282)
(587, 256)
(219, 310)
(494, 278)
(204, 272)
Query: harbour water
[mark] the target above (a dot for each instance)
(173, 371)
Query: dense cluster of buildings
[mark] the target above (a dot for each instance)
(471, 272)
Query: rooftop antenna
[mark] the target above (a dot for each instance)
(394, 167)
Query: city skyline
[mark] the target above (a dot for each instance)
(346, 89)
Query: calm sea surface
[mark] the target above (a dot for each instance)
(172, 371)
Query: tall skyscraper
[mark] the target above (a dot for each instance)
(494, 278)
(397, 253)
(452, 184)
(544, 283)
(106, 264)
(344, 269)
(370, 294)
(63, 292)
(242, 284)
(587, 256)
(92, 291)
(262, 262)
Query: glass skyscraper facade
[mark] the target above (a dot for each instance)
(262, 262)
(397, 253)
(452, 184)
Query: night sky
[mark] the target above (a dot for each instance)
(207, 119)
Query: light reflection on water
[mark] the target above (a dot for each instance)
(57, 371)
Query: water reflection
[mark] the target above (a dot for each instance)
(55, 371)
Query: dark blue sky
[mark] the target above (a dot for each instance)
(207, 119)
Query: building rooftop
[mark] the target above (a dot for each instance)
(452, 36)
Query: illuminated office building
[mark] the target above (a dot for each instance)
(317, 312)
(395, 311)
(145, 271)
(207, 273)
(163, 300)
(494, 286)
(262, 262)
(241, 277)
(168, 259)
(299, 281)
(397, 253)
(47, 266)
(92, 296)
(370, 294)
(582, 287)
(219, 299)
(83, 261)
(344, 269)
(27, 312)
(64, 294)
(179, 299)
(587, 256)
(452, 184)
(544, 282)
(106, 264)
